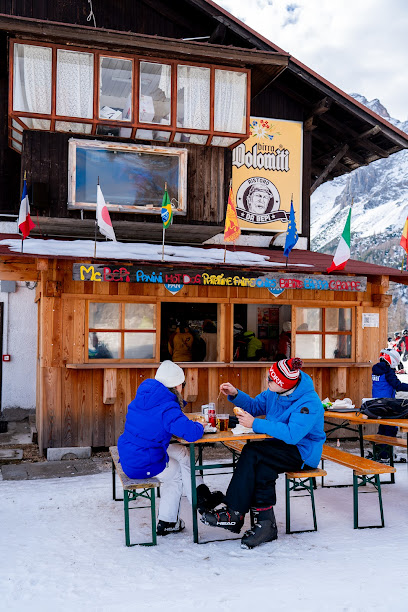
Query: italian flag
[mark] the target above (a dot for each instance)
(342, 254)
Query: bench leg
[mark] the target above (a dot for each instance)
(306, 484)
(126, 510)
(359, 481)
(287, 490)
(132, 496)
(377, 448)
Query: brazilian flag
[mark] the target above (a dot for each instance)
(166, 211)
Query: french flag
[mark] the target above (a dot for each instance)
(25, 224)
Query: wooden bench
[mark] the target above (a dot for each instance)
(303, 480)
(389, 441)
(364, 471)
(132, 490)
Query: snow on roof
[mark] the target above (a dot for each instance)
(141, 251)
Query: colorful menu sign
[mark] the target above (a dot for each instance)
(267, 173)
(116, 273)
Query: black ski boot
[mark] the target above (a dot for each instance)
(164, 528)
(206, 500)
(225, 518)
(263, 529)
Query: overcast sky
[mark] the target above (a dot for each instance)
(360, 46)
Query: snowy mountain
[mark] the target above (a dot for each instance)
(380, 193)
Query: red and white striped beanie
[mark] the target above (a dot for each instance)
(286, 373)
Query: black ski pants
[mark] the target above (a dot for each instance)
(253, 482)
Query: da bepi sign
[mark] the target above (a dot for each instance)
(117, 273)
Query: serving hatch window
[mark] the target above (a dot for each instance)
(121, 331)
(324, 333)
(262, 332)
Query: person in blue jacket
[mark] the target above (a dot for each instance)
(153, 417)
(294, 419)
(385, 383)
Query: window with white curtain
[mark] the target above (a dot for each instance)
(75, 86)
(60, 85)
(193, 100)
(230, 101)
(32, 83)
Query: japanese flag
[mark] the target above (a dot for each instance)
(103, 216)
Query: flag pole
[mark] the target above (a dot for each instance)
(287, 229)
(225, 244)
(164, 230)
(96, 221)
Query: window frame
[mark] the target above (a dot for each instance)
(73, 204)
(135, 124)
(323, 333)
(122, 330)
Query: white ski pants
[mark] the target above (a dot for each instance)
(176, 480)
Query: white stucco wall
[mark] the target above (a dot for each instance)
(20, 342)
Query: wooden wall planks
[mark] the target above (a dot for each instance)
(70, 403)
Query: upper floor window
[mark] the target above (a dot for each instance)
(74, 90)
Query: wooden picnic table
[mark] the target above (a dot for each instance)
(209, 438)
(359, 420)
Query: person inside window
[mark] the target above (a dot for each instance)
(240, 346)
(181, 345)
(153, 417)
(295, 420)
(285, 341)
(209, 336)
(255, 349)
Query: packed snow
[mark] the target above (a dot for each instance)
(63, 549)
(140, 251)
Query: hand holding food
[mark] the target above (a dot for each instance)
(246, 419)
(228, 389)
(238, 411)
(199, 418)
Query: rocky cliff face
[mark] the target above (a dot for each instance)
(380, 194)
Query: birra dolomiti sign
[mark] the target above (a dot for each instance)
(266, 173)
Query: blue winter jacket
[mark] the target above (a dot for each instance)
(385, 381)
(152, 418)
(296, 418)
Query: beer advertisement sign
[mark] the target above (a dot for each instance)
(267, 173)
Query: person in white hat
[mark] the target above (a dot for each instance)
(153, 417)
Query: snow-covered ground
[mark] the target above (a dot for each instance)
(62, 548)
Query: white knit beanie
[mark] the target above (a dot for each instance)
(170, 374)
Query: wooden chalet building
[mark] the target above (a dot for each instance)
(147, 93)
